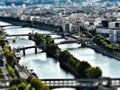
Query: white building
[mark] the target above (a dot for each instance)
(114, 35)
(72, 28)
(68, 27)
(111, 25)
(97, 21)
(103, 30)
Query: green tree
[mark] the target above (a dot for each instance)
(93, 72)
(45, 87)
(82, 67)
(10, 70)
(2, 43)
(13, 88)
(65, 55)
(10, 59)
(22, 86)
(16, 81)
(29, 79)
(48, 39)
(54, 50)
(38, 85)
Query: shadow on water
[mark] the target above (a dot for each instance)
(84, 88)
(50, 56)
(73, 48)
(29, 54)
(64, 68)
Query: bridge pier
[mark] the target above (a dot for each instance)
(106, 84)
(35, 49)
(105, 88)
(86, 88)
(23, 52)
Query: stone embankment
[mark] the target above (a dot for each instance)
(113, 54)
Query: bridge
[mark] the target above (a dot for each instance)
(24, 48)
(82, 83)
(70, 83)
(30, 34)
(79, 41)
(67, 42)
(76, 40)
(5, 26)
(75, 83)
(14, 27)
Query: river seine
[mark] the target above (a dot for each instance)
(46, 67)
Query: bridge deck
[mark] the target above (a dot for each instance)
(32, 34)
(67, 42)
(5, 25)
(115, 82)
(22, 48)
(18, 35)
(55, 83)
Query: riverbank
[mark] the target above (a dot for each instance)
(32, 24)
(112, 54)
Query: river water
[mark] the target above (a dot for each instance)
(46, 67)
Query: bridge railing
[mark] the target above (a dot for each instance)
(71, 82)
(61, 82)
(115, 82)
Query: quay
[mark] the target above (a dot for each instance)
(112, 54)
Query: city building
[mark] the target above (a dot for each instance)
(1, 55)
(114, 35)
(68, 28)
